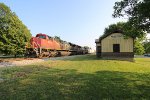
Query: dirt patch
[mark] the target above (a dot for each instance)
(27, 62)
(19, 75)
(18, 61)
(15, 59)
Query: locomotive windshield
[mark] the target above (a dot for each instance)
(42, 37)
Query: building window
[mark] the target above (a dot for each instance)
(116, 48)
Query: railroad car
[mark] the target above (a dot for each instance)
(45, 46)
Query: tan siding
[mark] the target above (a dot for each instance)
(126, 45)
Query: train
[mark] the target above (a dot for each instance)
(46, 46)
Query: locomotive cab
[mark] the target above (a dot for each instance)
(42, 36)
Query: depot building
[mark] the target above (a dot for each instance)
(114, 44)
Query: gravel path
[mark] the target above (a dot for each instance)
(24, 62)
(20, 63)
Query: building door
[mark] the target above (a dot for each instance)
(116, 48)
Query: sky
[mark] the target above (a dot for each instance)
(76, 21)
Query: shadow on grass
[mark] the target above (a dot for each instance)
(55, 84)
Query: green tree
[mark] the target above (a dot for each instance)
(137, 11)
(138, 47)
(147, 45)
(126, 28)
(13, 33)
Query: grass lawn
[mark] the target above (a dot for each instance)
(80, 78)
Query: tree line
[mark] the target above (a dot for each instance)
(13, 33)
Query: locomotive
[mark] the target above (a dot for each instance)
(45, 46)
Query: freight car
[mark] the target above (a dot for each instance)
(45, 46)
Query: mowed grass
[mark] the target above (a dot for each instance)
(79, 78)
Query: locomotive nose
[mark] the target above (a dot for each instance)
(31, 41)
(35, 42)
